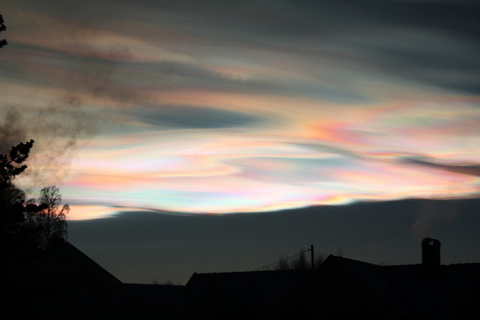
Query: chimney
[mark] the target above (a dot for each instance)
(430, 253)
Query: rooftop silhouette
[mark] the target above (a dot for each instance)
(75, 287)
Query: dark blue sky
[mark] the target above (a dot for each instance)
(142, 246)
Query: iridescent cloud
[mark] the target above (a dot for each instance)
(254, 106)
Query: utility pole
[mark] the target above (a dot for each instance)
(312, 255)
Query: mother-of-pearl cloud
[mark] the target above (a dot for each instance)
(302, 103)
(223, 172)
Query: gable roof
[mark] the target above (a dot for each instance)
(65, 283)
(373, 279)
(62, 265)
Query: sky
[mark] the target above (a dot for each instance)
(207, 109)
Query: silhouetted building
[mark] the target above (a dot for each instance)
(348, 289)
(240, 295)
(62, 283)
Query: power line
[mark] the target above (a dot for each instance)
(285, 259)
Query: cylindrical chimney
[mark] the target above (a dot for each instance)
(431, 252)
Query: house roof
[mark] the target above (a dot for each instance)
(63, 265)
(65, 282)
(264, 290)
(439, 292)
(406, 290)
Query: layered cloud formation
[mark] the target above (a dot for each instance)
(209, 107)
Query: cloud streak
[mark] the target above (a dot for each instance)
(250, 106)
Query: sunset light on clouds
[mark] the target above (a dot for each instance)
(164, 109)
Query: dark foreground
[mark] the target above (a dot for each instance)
(63, 283)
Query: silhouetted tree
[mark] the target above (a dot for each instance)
(12, 211)
(50, 217)
(296, 262)
(12, 199)
(2, 28)
(13, 226)
(11, 165)
(164, 283)
(300, 261)
(282, 263)
(27, 226)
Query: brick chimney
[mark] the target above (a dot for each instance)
(430, 253)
